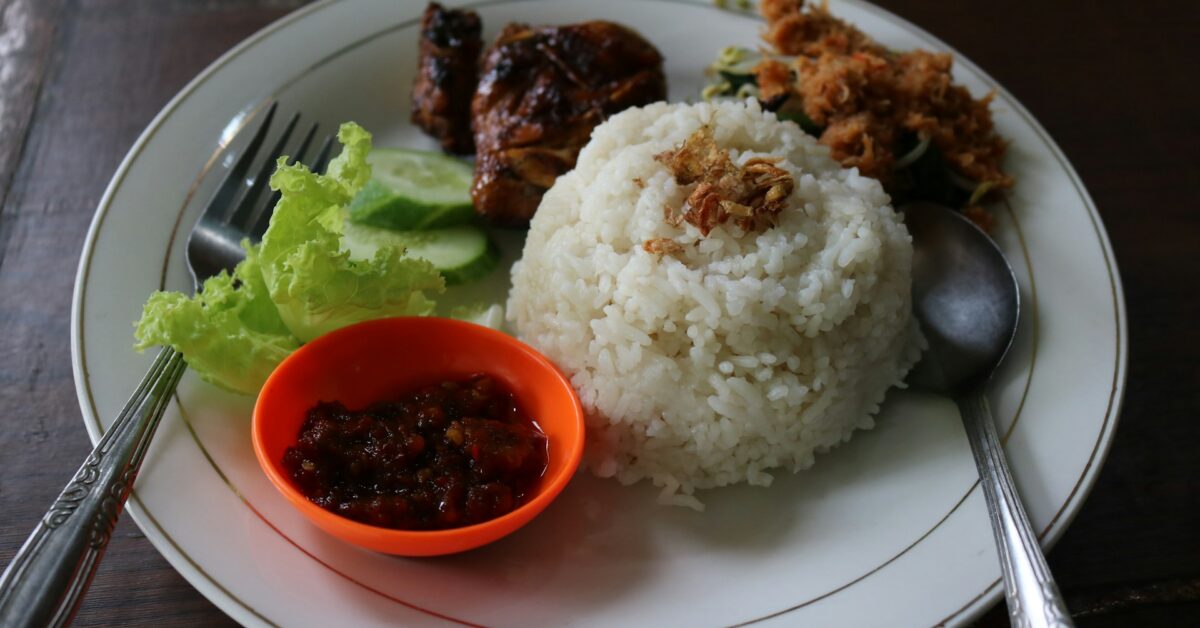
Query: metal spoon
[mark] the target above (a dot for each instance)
(966, 297)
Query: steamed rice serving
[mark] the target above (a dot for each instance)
(708, 360)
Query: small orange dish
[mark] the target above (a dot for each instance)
(378, 360)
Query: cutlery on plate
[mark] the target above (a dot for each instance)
(46, 580)
(966, 297)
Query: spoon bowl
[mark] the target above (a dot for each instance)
(966, 296)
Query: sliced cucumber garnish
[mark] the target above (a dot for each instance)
(460, 254)
(414, 190)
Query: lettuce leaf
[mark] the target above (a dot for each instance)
(230, 333)
(314, 283)
(296, 285)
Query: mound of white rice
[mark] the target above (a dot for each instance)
(745, 351)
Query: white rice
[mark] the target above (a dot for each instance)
(743, 353)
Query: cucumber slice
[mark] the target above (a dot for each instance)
(414, 190)
(460, 254)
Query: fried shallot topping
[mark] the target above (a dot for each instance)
(752, 194)
(661, 246)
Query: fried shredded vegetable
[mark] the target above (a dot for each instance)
(896, 116)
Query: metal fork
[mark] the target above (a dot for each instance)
(46, 580)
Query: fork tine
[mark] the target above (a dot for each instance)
(302, 152)
(260, 218)
(322, 160)
(245, 212)
(319, 164)
(222, 199)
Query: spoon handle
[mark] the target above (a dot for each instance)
(1033, 598)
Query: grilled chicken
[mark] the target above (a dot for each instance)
(446, 76)
(542, 91)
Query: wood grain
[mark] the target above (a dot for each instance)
(113, 65)
(1110, 81)
(27, 30)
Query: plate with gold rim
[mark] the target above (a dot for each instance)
(889, 529)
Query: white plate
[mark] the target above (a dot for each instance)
(888, 530)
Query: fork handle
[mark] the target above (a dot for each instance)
(46, 580)
(1029, 589)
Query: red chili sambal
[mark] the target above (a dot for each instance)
(443, 456)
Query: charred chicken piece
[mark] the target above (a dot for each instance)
(542, 91)
(446, 76)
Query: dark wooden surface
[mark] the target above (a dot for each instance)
(1113, 82)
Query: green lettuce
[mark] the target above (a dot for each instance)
(230, 333)
(313, 281)
(297, 284)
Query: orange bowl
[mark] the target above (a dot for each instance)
(383, 359)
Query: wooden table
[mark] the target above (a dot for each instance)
(1114, 84)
